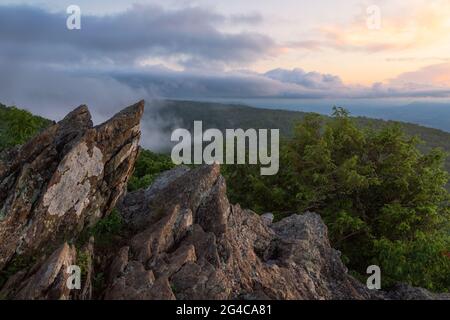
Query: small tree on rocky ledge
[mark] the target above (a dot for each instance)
(384, 201)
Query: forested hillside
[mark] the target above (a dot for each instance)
(222, 116)
(17, 126)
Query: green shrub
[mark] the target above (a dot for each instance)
(18, 126)
(83, 261)
(423, 261)
(382, 199)
(148, 166)
(104, 231)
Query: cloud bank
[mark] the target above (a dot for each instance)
(148, 52)
(189, 36)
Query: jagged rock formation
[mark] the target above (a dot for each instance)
(64, 179)
(190, 243)
(49, 278)
(183, 238)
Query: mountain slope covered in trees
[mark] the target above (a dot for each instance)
(223, 116)
(17, 126)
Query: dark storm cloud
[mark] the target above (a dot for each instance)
(277, 83)
(196, 84)
(142, 31)
(313, 80)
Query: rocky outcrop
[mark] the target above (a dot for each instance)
(189, 242)
(64, 179)
(405, 292)
(50, 278)
(182, 238)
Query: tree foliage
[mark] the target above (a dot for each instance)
(18, 126)
(384, 201)
(148, 166)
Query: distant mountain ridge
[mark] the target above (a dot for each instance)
(432, 114)
(175, 113)
(437, 115)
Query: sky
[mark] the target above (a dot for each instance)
(128, 50)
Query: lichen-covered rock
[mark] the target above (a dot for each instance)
(67, 177)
